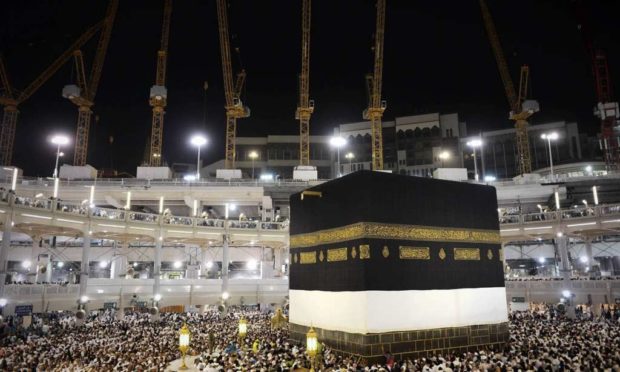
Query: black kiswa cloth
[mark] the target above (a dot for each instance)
(380, 231)
(390, 198)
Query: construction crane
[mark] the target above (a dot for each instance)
(520, 107)
(607, 110)
(10, 99)
(234, 107)
(83, 94)
(606, 107)
(305, 106)
(159, 94)
(376, 106)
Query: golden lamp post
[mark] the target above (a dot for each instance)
(184, 343)
(243, 330)
(312, 346)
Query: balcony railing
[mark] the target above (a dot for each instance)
(561, 215)
(111, 214)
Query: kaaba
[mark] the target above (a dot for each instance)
(385, 262)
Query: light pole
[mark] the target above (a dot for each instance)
(350, 156)
(312, 346)
(198, 141)
(243, 330)
(444, 155)
(184, 343)
(474, 144)
(58, 140)
(549, 137)
(253, 155)
(338, 142)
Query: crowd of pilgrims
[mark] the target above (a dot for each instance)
(539, 341)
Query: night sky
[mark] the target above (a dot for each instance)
(437, 58)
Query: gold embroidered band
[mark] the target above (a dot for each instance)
(414, 253)
(307, 257)
(394, 232)
(364, 252)
(336, 254)
(467, 254)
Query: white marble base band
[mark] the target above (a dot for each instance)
(392, 311)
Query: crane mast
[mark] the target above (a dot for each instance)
(606, 107)
(10, 101)
(607, 110)
(84, 96)
(159, 93)
(521, 109)
(305, 107)
(234, 107)
(376, 106)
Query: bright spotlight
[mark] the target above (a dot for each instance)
(233, 207)
(337, 141)
(209, 265)
(60, 264)
(189, 177)
(550, 136)
(541, 260)
(84, 299)
(489, 178)
(177, 264)
(60, 140)
(225, 295)
(103, 264)
(26, 264)
(583, 259)
(566, 293)
(3, 302)
(252, 265)
(198, 140)
(157, 297)
(135, 264)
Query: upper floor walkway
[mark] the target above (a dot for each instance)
(583, 221)
(37, 217)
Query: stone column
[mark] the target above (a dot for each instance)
(84, 270)
(278, 259)
(48, 272)
(33, 272)
(120, 312)
(225, 261)
(6, 245)
(503, 256)
(287, 258)
(157, 265)
(565, 266)
(118, 268)
(588, 243)
(565, 272)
